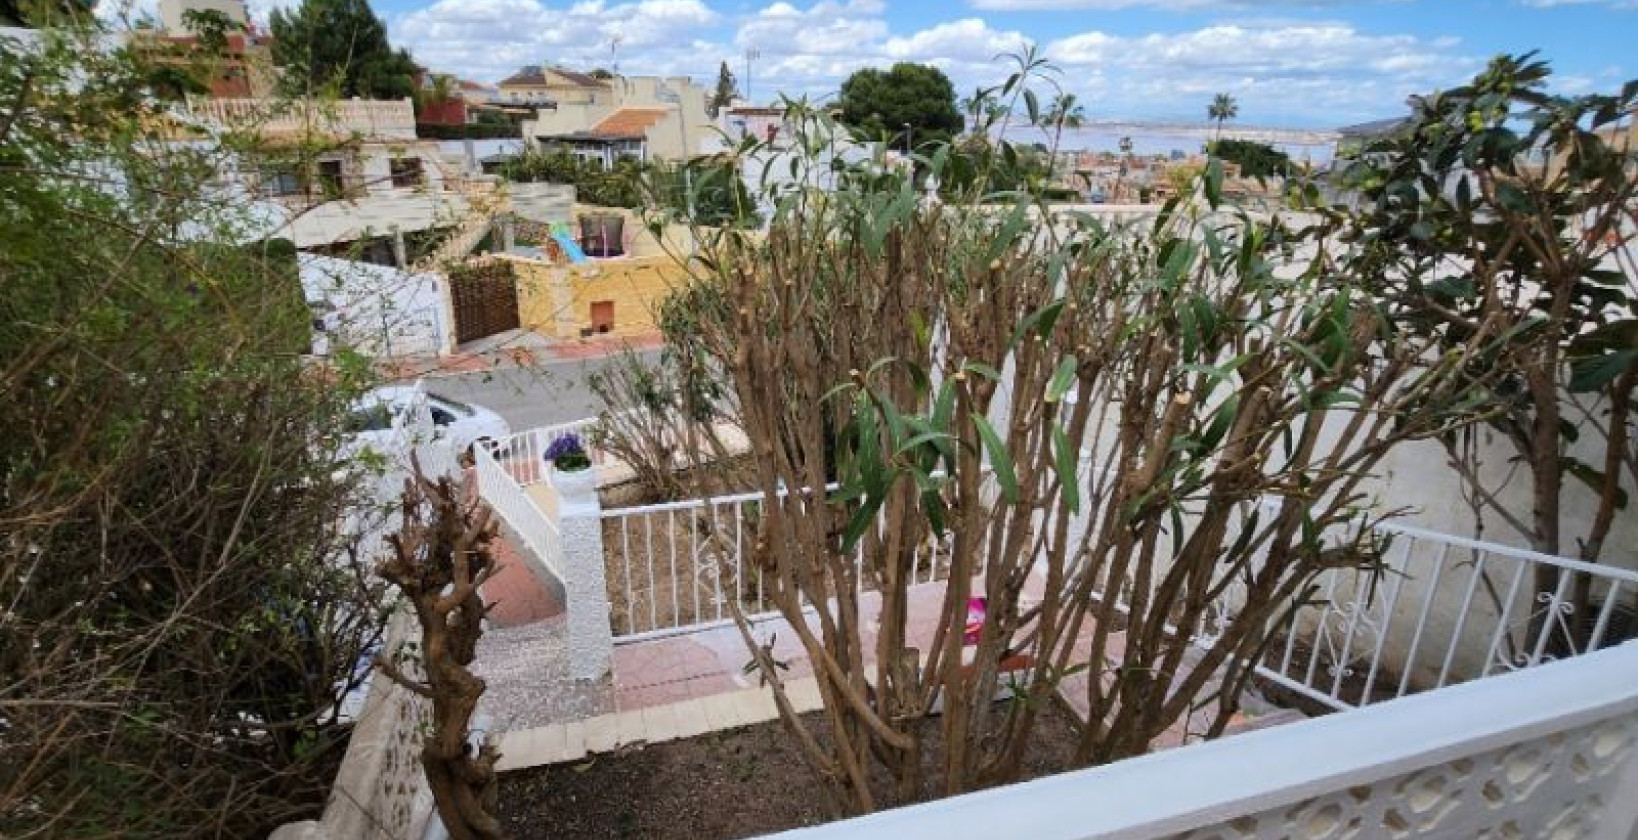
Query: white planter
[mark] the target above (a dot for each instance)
(576, 489)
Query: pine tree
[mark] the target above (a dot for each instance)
(339, 46)
(726, 90)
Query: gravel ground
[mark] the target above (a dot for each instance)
(529, 685)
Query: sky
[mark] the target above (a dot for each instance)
(1289, 63)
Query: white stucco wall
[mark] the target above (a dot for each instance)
(377, 310)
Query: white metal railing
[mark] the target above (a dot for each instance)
(522, 455)
(1444, 610)
(512, 503)
(676, 567)
(1547, 752)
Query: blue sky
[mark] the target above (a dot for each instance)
(1320, 63)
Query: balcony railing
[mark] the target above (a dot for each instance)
(370, 119)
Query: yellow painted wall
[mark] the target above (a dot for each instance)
(555, 300)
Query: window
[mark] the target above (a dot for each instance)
(406, 172)
(276, 181)
(330, 178)
(441, 417)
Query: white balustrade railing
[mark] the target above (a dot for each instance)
(1443, 610)
(1545, 752)
(503, 493)
(522, 455)
(678, 566)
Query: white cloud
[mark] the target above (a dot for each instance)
(489, 39)
(1166, 5)
(1314, 72)
(965, 40)
(1321, 72)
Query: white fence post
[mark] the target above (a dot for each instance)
(591, 636)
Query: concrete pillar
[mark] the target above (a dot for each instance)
(400, 251)
(590, 636)
(508, 233)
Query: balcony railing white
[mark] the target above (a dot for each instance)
(1444, 609)
(523, 454)
(512, 503)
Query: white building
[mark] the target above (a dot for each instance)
(638, 117)
(371, 190)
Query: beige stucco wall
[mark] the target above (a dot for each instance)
(684, 119)
(555, 300)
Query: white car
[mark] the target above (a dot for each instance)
(387, 416)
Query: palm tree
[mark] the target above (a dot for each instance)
(1222, 109)
(1065, 112)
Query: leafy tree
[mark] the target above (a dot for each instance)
(1500, 205)
(883, 103)
(1256, 160)
(617, 187)
(702, 191)
(1222, 109)
(894, 322)
(725, 92)
(338, 47)
(183, 608)
(43, 12)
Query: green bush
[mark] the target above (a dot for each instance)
(617, 187)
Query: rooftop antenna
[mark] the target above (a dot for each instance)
(751, 54)
(614, 53)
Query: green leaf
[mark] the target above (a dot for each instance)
(1063, 379)
(1065, 456)
(982, 370)
(1041, 321)
(1000, 461)
(1593, 373)
(860, 522)
(1513, 198)
(924, 437)
(1594, 479)
(1221, 422)
(1214, 182)
(1032, 107)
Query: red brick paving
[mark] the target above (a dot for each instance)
(514, 594)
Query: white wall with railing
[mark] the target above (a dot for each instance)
(1550, 752)
(512, 503)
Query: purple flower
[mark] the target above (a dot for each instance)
(563, 446)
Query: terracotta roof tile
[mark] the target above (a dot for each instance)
(529, 75)
(628, 122)
(581, 79)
